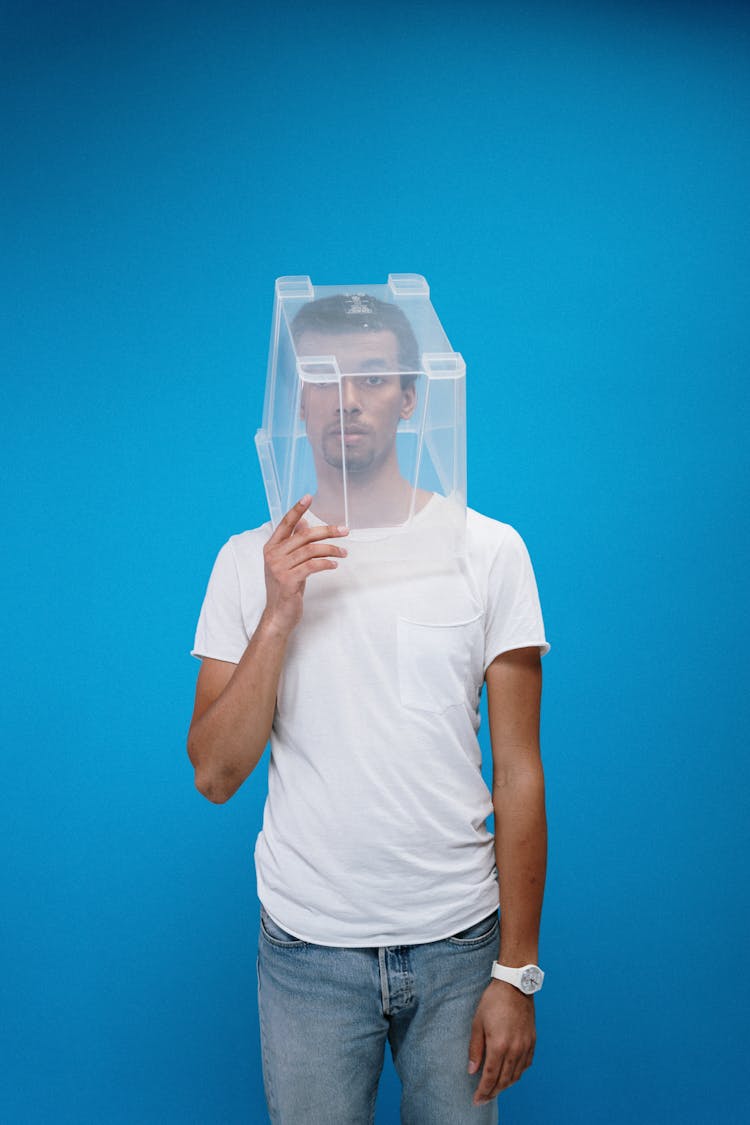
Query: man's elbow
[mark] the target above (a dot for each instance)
(214, 786)
(512, 780)
(218, 790)
(212, 792)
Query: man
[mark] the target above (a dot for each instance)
(375, 869)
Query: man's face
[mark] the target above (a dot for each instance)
(371, 405)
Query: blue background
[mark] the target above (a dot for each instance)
(572, 180)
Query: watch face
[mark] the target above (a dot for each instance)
(531, 979)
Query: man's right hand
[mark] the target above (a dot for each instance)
(291, 555)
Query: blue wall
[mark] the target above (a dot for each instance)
(572, 180)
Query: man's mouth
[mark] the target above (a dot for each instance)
(348, 431)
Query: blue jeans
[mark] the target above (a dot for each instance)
(326, 1013)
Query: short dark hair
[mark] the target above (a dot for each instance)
(346, 313)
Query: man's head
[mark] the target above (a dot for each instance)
(378, 358)
(358, 315)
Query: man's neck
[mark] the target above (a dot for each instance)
(376, 498)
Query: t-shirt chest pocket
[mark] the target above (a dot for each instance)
(437, 663)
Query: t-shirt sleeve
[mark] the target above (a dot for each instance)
(514, 615)
(221, 632)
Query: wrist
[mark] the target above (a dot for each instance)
(503, 988)
(274, 627)
(516, 952)
(518, 960)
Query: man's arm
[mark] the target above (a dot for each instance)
(503, 1030)
(235, 703)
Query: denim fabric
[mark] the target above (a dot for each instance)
(326, 1014)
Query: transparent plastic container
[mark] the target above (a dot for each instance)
(364, 408)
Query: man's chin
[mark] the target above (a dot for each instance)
(357, 461)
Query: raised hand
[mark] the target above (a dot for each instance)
(291, 555)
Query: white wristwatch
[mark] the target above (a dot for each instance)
(528, 978)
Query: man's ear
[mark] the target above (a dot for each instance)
(408, 400)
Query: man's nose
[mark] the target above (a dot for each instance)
(350, 403)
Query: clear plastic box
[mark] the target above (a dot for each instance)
(364, 406)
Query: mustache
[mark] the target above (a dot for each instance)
(353, 428)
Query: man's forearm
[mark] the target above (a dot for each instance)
(228, 739)
(234, 710)
(521, 858)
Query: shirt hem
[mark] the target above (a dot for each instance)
(196, 652)
(543, 646)
(383, 940)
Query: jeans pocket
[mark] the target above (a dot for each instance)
(483, 931)
(274, 934)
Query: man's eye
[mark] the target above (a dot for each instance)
(374, 380)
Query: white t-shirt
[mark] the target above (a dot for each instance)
(374, 826)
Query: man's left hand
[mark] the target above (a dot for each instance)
(503, 1031)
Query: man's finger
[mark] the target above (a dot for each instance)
(302, 525)
(288, 522)
(506, 1076)
(492, 1067)
(528, 1058)
(307, 551)
(315, 565)
(476, 1047)
(519, 1068)
(304, 534)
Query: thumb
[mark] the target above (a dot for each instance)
(476, 1047)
